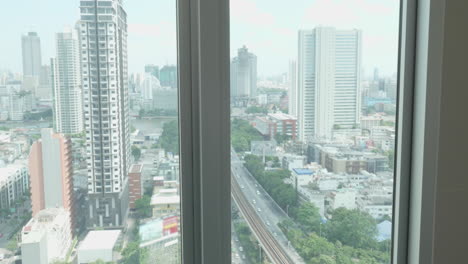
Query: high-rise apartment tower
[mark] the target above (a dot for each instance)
(66, 77)
(103, 42)
(329, 80)
(244, 74)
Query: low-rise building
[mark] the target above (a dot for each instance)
(302, 176)
(166, 202)
(343, 160)
(263, 148)
(377, 200)
(345, 198)
(382, 135)
(277, 124)
(14, 183)
(47, 237)
(368, 122)
(289, 162)
(98, 245)
(161, 238)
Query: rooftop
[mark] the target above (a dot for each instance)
(303, 171)
(282, 116)
(33, 237)
(166, 192)
(101, 239)
(159, 199)
(136, 168)
(10, 170)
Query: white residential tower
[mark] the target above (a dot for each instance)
(68, 104)
(329, 64)
(103, 42)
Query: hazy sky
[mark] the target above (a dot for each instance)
(267, 27)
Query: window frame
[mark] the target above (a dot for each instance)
(204, 120)
(203, 59)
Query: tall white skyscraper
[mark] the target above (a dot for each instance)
(244, 74)
(329, 80)
(32, 60)
(103, 42)
(292, 93)
(68, 103)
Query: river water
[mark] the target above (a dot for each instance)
(150, 126)
(147, 126)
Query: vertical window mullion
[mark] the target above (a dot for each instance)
(404, 130)
(203, 47)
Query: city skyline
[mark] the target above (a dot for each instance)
(378, 21)
(122, 147)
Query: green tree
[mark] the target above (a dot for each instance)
(242, 134)
(282, 138)
(391, 158)
(256, 110)
(136, 152)
(141, 113)
(143, 207)
(308, 216)
(352, 227)
(322, 259)
(133, 254)
(12, 245)
(100, 261)
(169, 139)
(247, 241)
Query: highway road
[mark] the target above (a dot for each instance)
(264, 209)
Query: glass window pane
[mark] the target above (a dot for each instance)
(89, 152)
(313, 111)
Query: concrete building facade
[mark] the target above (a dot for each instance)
(31, 51)
(103, 42)
(329, 80)
(168, 76)
(47, 237)
(51, 180)
(14, 183)
(68, 104)
(277, 124)
(98, 245)
(292, 92)
(244, 74)
(134, 184)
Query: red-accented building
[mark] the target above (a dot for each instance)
(134, 184)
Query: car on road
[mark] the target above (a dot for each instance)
(253, 201)
(268, 223)
(241, 249)
(258, 209)
(242, 186)
(258, 192)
